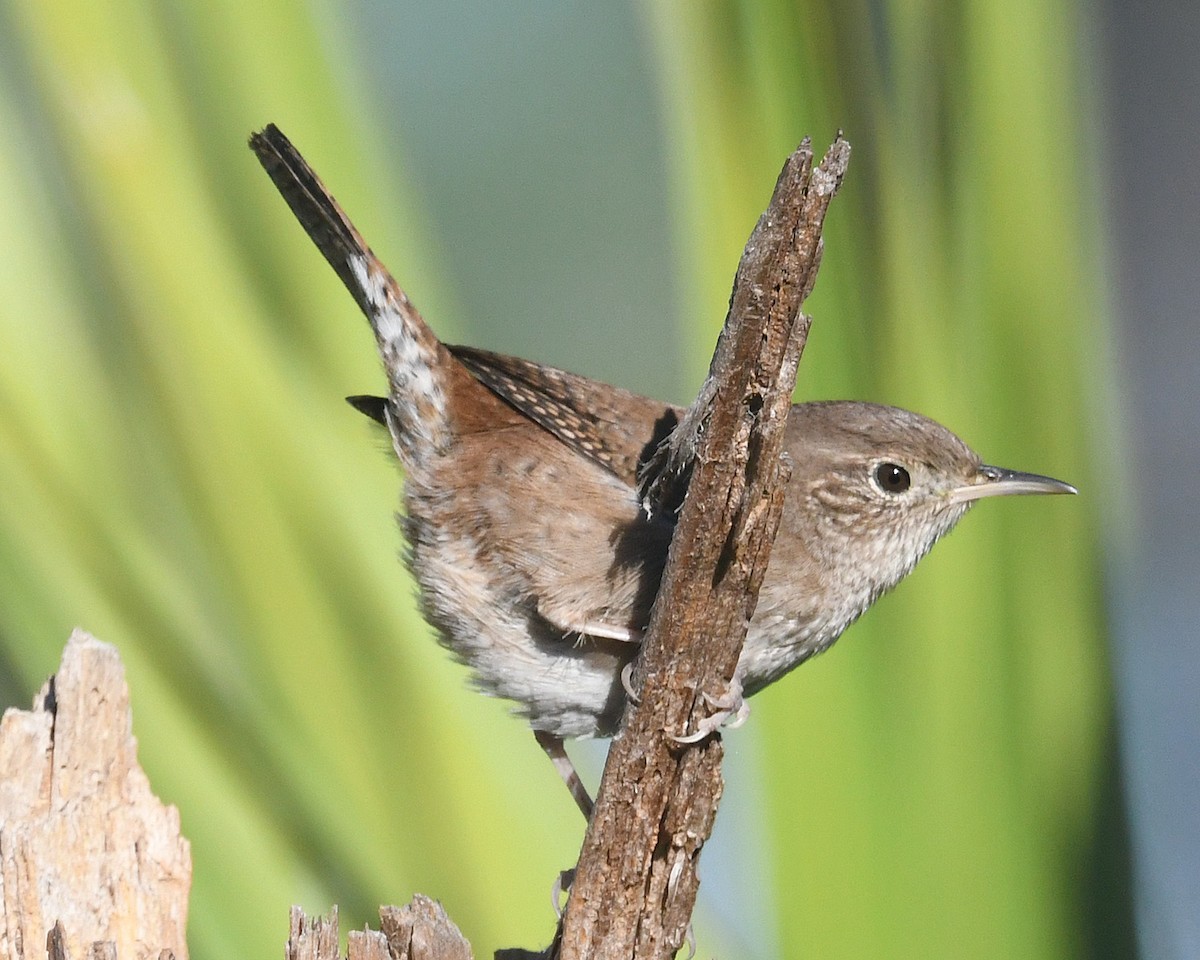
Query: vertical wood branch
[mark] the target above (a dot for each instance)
(91, 862)
(636, 880)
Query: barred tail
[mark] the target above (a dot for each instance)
(415, 361)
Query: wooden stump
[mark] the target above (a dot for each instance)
(418, 931)
(92, 864)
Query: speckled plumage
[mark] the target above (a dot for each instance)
(535, 560)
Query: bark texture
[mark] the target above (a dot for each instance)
(636, 882)
(92, 864)
(418, 931)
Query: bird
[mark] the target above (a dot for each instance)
(536, 560)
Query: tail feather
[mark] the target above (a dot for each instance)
(413, 357)
(373, 407)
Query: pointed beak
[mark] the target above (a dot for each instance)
(998, 482)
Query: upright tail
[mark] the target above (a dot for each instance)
(414, 359)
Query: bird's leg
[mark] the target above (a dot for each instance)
(553, 746)
(562, 763)
(731, 709)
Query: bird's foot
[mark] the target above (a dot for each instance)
(562, 883)
(627, 683)
(731, 710)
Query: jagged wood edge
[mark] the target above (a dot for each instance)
(636, 881)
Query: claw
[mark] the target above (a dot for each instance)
(740, 712)
(562, 883)
(730, 704)
(627, 683)
(689, 937)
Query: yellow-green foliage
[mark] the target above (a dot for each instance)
(935, 784)
(178, 476)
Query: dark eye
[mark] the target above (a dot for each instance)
(892, 478)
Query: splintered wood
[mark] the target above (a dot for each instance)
(636, 881)
(92, 864)
(418, 931)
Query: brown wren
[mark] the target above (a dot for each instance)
(536, 562)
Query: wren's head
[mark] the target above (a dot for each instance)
(872, 489)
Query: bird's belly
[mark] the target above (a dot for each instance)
(564, 684)
(783, 635)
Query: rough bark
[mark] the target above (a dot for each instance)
(418, 931)
(92, 864)
(636, 880)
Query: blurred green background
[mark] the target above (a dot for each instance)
(573, 183)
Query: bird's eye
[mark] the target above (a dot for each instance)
(892, 478)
